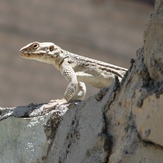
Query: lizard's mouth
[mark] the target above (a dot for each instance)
(33, 55)
(24, 55)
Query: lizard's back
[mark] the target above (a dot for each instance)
(97, 73)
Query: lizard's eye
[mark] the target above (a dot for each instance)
(35, 46)
(51, 48)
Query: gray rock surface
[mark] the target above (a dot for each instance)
(22, 140)
(28, 139)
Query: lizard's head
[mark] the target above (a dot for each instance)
(44, 52)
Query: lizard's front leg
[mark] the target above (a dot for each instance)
(72, 88)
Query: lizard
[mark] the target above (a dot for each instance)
(76, 69)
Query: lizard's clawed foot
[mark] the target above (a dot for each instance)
(58, 101)
(49, 106)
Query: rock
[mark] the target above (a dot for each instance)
(28, 139)
(23, 140)
(75, 134)
(82, 135)
(149, 120)
(153, 44)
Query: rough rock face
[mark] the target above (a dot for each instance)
(153, 44)
(122, 123)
